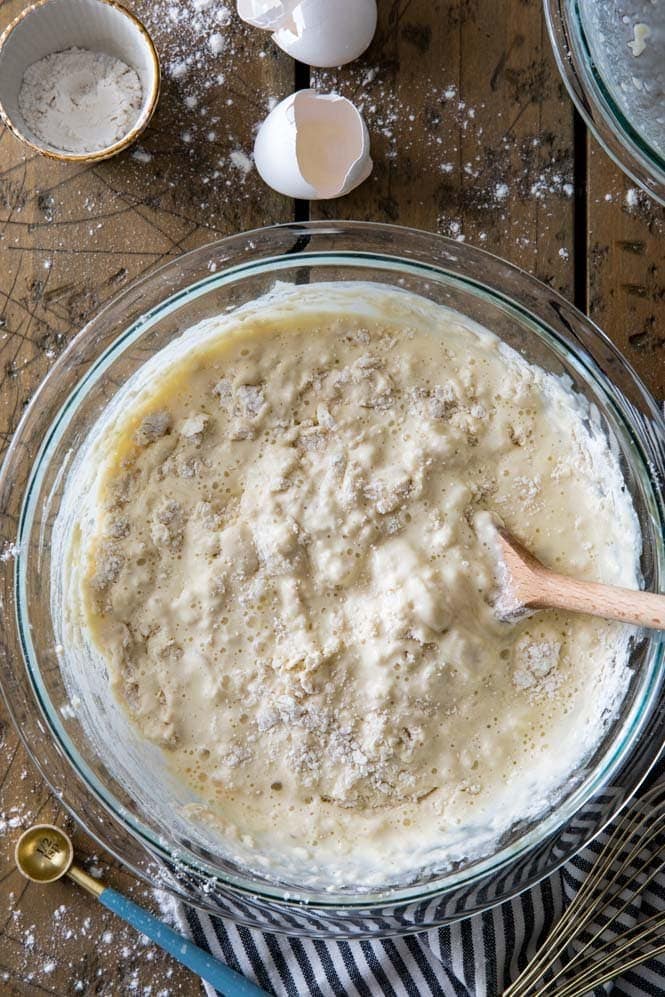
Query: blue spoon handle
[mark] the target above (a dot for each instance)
(211, 970)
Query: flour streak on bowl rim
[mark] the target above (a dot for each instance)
(145, 115)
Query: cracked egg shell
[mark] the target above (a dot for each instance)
(267, 14)
(313, 146)
(316, 32)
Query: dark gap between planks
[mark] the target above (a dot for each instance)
(302, 81)
(580, 214)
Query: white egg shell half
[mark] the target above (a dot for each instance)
(325, 33)
(267, 14)
(313, 146)
(316, 32)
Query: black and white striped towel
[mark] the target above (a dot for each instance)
(473, 958)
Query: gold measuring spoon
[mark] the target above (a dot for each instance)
(44, 853)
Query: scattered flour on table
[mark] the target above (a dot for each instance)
(196, 35)
(68, 951)
(168, 907)
(9, 551)
(13, 820)
(488, 181)
(59, 951)
(490, 184)
(80, 101)
(202, 48)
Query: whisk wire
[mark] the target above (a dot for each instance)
(630, 863)
(613, 875)
(637, 938)
(577, 989)
(549, 952)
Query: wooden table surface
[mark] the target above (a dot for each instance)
(473, 136)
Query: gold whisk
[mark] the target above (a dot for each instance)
(588, 947)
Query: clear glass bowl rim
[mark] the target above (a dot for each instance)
(255, 241)
(611, 128)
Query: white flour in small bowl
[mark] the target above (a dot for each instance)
(80, 101)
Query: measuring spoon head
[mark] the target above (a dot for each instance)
(43, 853)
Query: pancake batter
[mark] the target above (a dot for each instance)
(290, 578)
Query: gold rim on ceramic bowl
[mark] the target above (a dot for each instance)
(75, 22)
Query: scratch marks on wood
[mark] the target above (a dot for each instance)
(517, 42)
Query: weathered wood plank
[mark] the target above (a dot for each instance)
(626, 277)
(471, 132)
(70, 238)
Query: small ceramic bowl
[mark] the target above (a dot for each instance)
(51, 26)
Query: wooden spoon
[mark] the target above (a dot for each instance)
(530, 585)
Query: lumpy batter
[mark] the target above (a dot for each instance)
(290, 576)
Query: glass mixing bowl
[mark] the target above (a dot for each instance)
(621, 96)
(123, 797)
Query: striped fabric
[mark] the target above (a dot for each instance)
(473, 958)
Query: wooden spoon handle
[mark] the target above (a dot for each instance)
(550, 590)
